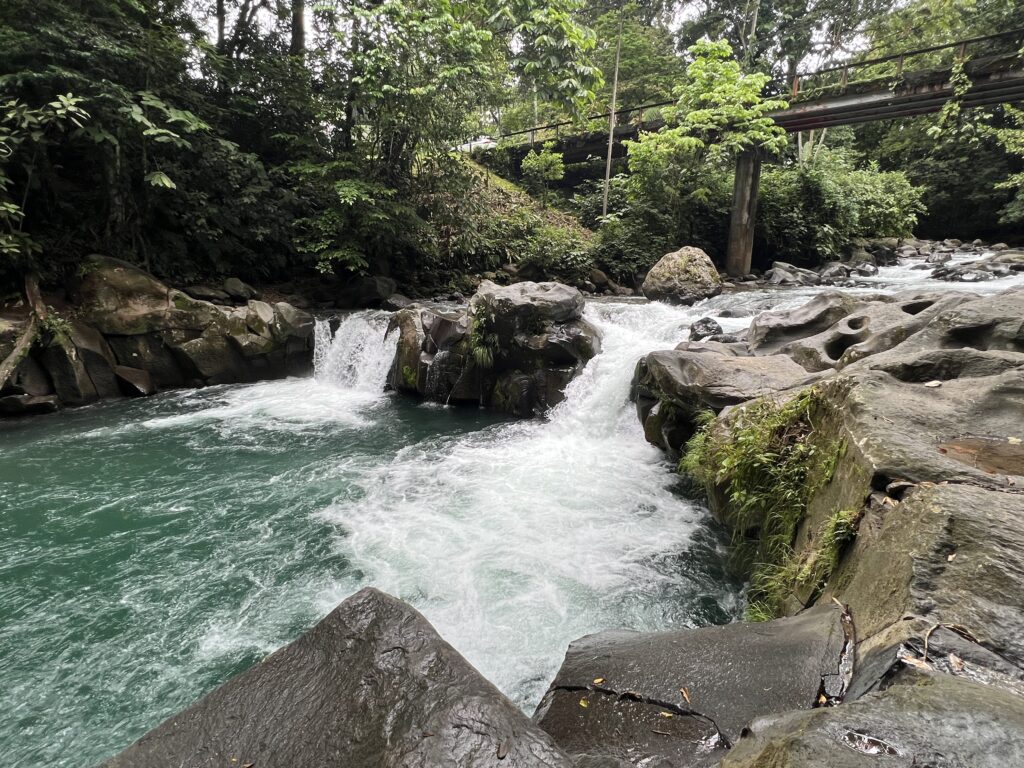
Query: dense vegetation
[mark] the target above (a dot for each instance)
(271, 138)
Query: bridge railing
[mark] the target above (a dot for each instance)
(538, 134)
(893, 70)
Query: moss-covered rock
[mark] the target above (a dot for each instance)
(514, 349)
(683, 277)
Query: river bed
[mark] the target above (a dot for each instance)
(150, 549)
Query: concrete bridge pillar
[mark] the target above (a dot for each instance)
(744, 213)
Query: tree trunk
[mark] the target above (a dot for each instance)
(222, 13)
(31, 332)
(298, 45)
(744, 213)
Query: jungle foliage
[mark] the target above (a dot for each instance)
(269, 138)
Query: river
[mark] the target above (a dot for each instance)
(150, 549)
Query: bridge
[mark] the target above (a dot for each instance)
(907, 84)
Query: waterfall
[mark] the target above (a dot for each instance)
(357, 356)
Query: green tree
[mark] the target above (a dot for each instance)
(541, 169)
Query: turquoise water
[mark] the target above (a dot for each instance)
(150, 549)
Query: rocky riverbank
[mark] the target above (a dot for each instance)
(864, 449)
(866, 453)
(121, 332)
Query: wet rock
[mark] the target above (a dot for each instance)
(703, 328)
(97, 358)
(367, 292)
(514, 349)
(134, 382)
(863, 269)
(526, 306)
(239, 290)
(683, 277)
(28, 378)
(770, 331)
(633, 684)
(899, 428)
(64, 365)
(920, 719)
(966, 321)
(150, 352)
(900, 564)
(28, 405)
(870, 327)
(834, 271)
(291, 323)
(371, 684)
(404, 374)
(783, 273)
(943, 364)
(686, 383)
(962, 273)
(211, 359)
(119, 299)
(396, 301)
(206, 293)
(598, 278)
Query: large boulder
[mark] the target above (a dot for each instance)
(367, 292)
(129, 333)
(29, 378)
(134, 382)
(783, 273)
(685, 276)
(515, 348)
(63, 363)
(526, 306)
(770, 331)
(118, 298)
(672, 388)
(681, 698)
(371, 685)
(28, 405)
(870, 327)
(97, 358)
(950, 554)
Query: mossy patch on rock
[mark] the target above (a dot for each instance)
(771, 472)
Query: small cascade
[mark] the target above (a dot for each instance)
(357, 356)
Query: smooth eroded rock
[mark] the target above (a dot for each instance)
(371, 685)
(919, 720)
(684, 383)
(633, 684)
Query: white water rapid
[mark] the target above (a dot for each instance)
(517, 538)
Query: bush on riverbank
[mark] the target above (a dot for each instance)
(808, 213)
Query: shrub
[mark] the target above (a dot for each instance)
(809, 213)
(770, 459)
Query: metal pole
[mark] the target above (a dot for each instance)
(611, 119)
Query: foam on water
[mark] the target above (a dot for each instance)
(517, 539)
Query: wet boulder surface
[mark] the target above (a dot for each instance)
(682, 698)
(919, 719)
(514, 348)
(372, 684)
(673, 388)
(913, 524)
(128, 333)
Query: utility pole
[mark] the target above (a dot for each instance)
(611, 118)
